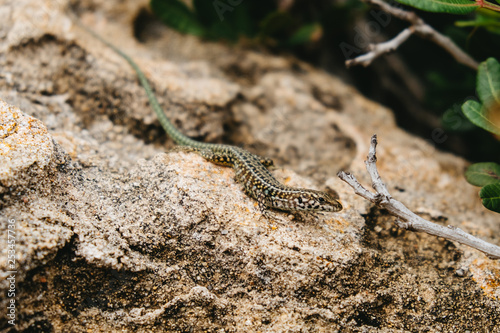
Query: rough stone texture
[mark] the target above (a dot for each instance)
(25, 145)
(114, 233)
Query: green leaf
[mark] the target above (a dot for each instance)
(305, 34)
(487, 114)
(443, 6)
(177, 15)
(478, 115)
(490, 25)
(481, 174)
(231, 20)
(488, 82)
(216, 20)
(484, 18)
(226, 20)
(491, 197)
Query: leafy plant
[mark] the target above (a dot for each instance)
(443, 6)
(233, 19)
(484, 18)
(486, 175)
(450, 6)
(486, 114)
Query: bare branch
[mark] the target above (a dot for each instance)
(406, 218)
(376, 50)
(426, 31)
(418, 27)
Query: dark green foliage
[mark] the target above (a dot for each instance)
(454, 121)
(177, 15)
(304, 34)
(491, 197)
(486, 175)
(487, 19)
(482, 174)
(233, 19)
(443, 6)
(488, 82)
(478, 115)
(486, 114)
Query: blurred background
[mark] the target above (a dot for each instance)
(420, 82)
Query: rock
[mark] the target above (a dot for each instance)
(26, 148)
(29, 163)
(114, 232)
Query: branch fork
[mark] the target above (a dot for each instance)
(419, 28)
(406, 219)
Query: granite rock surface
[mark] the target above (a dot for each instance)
(115, 232)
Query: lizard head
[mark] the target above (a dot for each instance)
(318, 201)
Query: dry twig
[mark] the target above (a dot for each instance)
(419, 28)
(383, 199)
(377, 50)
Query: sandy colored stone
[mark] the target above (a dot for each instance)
(25, 146)
(116, 233)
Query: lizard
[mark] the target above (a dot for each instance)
(250, 170)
